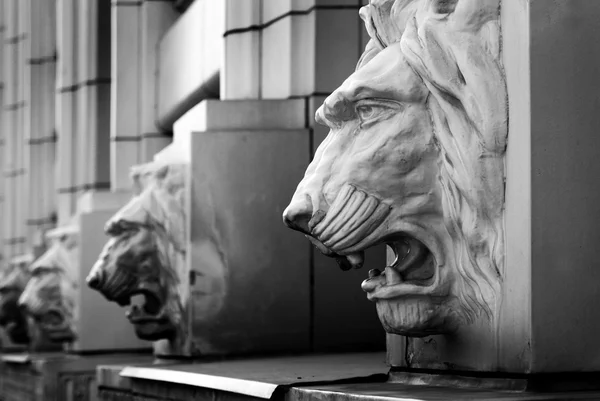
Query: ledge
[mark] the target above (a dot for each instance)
(405, 392)
(260, 378)
(334, 377)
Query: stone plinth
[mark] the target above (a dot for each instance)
(245, 156)
(244, 379)
(95, 208)
(53, 377)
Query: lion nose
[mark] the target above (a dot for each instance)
(95, 280)
(297, 215)
(22, 305)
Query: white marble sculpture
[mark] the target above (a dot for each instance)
(146, 255)
(415, 159)
(50, 294)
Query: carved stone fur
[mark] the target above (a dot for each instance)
(146, 254)
(415, 159)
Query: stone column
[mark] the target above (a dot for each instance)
(83, 100)
(156, 18)
(2, 121)
(125, 91)
(66, 115)
(135, 137)
(190, 55)
(14, 105)
(41, 135)
(93, 94)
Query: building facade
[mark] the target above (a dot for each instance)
(91, 88)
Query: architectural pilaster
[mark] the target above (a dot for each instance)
(156, 18)
(40, 135)
(66, 87)
(83, 100)
(13, 110)
(135, 138)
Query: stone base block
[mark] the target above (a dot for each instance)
(54, 376)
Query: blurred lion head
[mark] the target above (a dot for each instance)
(13, 280)
(145, 254)
(50, 294)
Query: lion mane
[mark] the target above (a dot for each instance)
(461, 66)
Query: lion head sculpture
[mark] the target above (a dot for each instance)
(50, 294)
(415, 159)
(13, 280)
(146, 254)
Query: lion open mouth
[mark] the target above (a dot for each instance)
(413, 272)
(56, 326)
(147, 312)
(342, 231)
(149, 308)
(351, 225)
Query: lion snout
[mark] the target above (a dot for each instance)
(29, 303)
(95, 280)
(298, 214)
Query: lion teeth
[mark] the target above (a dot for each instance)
(352, 261)
(374, 273)
(356, 259)
(392, 276)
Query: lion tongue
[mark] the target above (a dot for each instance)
(351, 261)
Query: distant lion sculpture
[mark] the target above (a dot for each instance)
(146, 254)
(13, 280)
(50, 294)
(415, 159)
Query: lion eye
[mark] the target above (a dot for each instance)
(366, 112)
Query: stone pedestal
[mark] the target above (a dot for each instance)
(243, 379)
(256, 287)
(54, 377)
(95, 314)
